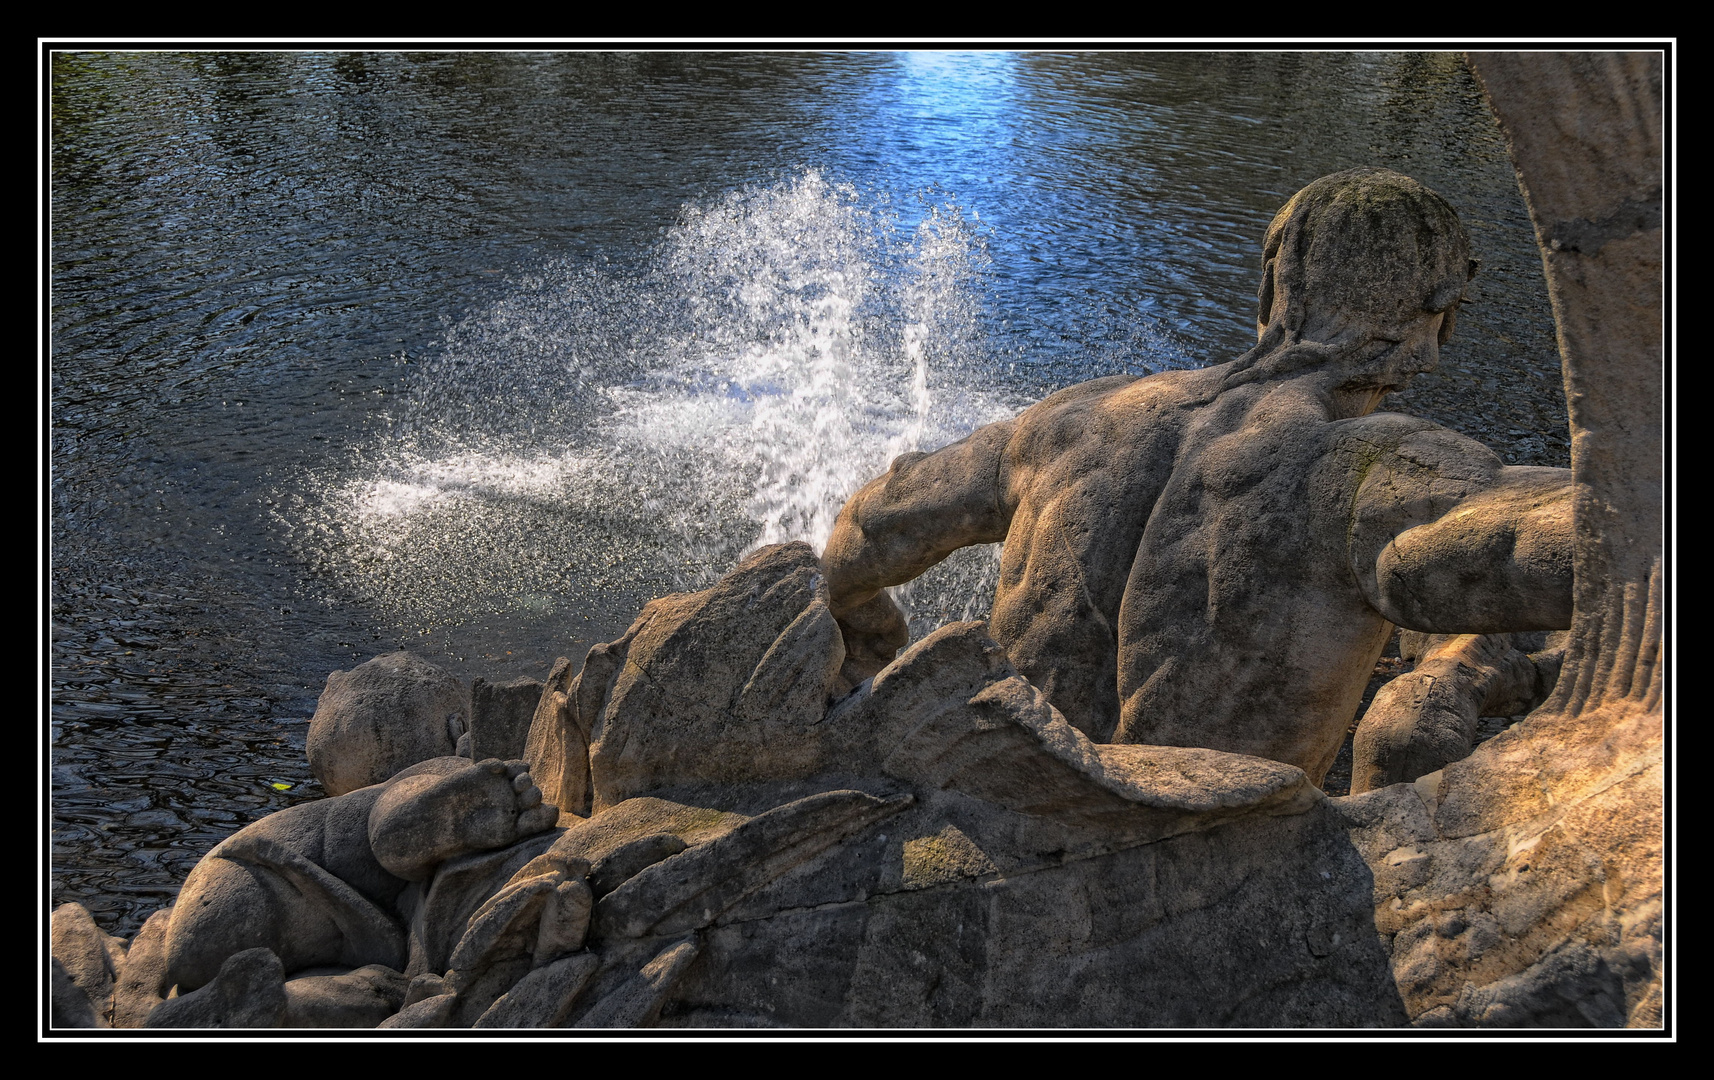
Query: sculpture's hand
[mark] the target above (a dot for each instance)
(874, 632)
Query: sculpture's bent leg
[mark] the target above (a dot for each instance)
(1426, 719)
(254, 892)
(451, 808)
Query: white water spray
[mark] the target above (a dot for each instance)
(601, 437)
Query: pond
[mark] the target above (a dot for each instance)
(473, 353)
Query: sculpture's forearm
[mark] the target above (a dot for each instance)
(1499, 561)
(925, 507)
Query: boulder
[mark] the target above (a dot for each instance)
(68, 1005)
(720, 686)
(301, 883)
(249, 991)
(141, 981)
(381, 717)
(354, 999)
(500, 716)
(90, 956)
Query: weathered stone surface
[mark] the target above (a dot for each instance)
(431, 1012)
(321, 883)
(423, 987)
(1215, 558)
(604, 836)
(718, 686)
(90, 956)
(1009, 747)
(1525, 888)
(542, 913)
(500, 717)
(557, 747)
(141, 981)
(1586, 131)
(356, 999)
(942, 671)
(438, 912)
(423, 818)
(690, 890)
(381, 717)
(1426, 719)
(301, 883)
(542, 998)
(68, 1005)
(948, 847)
(637, 1001)
(630, 860)
(249, 991)
(1203, 929)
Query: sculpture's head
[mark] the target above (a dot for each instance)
(1371, 263)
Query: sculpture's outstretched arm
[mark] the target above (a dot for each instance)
(1446, 539)
(898, 525)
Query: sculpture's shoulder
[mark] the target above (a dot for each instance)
(1111, 413)
(1410, 444)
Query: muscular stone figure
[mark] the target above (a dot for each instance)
(1216, 558)
(316, 883)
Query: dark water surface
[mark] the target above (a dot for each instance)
(473, 353)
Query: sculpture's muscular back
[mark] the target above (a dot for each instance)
(1177, 567)
(1079, 477)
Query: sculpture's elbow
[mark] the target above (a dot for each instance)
(1448, 582)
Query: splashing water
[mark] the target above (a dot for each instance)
(606, 435)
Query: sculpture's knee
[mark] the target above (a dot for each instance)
(1406, 734)
(224, 908)
(1426, 719)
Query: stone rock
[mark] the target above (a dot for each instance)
(355, 999)
(542, 998)
(718, 687)
(380, 717)
(431, 1012)
(630, 860)
(942, 671)
(423, 987)
(141, 981)
(249, 991)
(1521, 885)
(438, 912)
(1586, 132)
(637, 1001)
(448, 807)
(951, 713)
(323, 883)
(500, 717)
(557, 747)
(929, 919)
(689, 890)
(542, 913)
(950, 847)
(68, 1005)
(90, 956)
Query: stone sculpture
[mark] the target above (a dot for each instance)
(1216, 557)
(769, 820)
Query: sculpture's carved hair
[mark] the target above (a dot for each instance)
(1349, 254)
